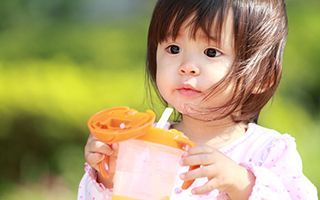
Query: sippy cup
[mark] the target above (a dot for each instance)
(148, 157)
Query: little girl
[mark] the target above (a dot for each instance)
(217, 62)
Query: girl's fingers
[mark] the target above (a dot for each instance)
(94, 158)
(200, 150)
(206, 171)
(206, 188)
(97, 152)
(115, 147)
(95, 146)
(198, 159)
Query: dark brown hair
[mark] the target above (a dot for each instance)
(260, 31)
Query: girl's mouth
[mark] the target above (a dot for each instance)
(188, 91)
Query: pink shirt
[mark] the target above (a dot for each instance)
(272, 157)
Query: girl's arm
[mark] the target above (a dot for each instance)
(280, 175)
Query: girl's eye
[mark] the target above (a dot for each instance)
(211, 52)
(173, 49)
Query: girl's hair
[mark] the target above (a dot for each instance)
(259, 30)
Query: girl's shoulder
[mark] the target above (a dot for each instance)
(265, 136)
(258, 142)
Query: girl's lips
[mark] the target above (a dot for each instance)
(188, 91)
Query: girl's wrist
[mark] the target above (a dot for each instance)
(243, 186)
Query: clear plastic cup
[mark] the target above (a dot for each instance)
(145, 170)
(148, 158)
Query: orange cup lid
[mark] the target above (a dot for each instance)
(120, 123)
(171, 137)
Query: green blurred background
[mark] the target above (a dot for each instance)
(61, 61)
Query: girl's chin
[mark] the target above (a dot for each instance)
(188, 109)
(184, 109)
(195, 112)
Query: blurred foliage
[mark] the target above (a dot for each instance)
(62, 61)
(301, 81)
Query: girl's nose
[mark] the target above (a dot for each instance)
(189, 70)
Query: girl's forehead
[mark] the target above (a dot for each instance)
(198, 34)
(212, 32)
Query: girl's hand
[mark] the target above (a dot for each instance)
(223, 173)
(95, 152)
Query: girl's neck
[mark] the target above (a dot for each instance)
(213, 133)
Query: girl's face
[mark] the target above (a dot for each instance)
(188, 67)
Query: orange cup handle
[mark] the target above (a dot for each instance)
(187, 184)
(102, 168)
(184, 142)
